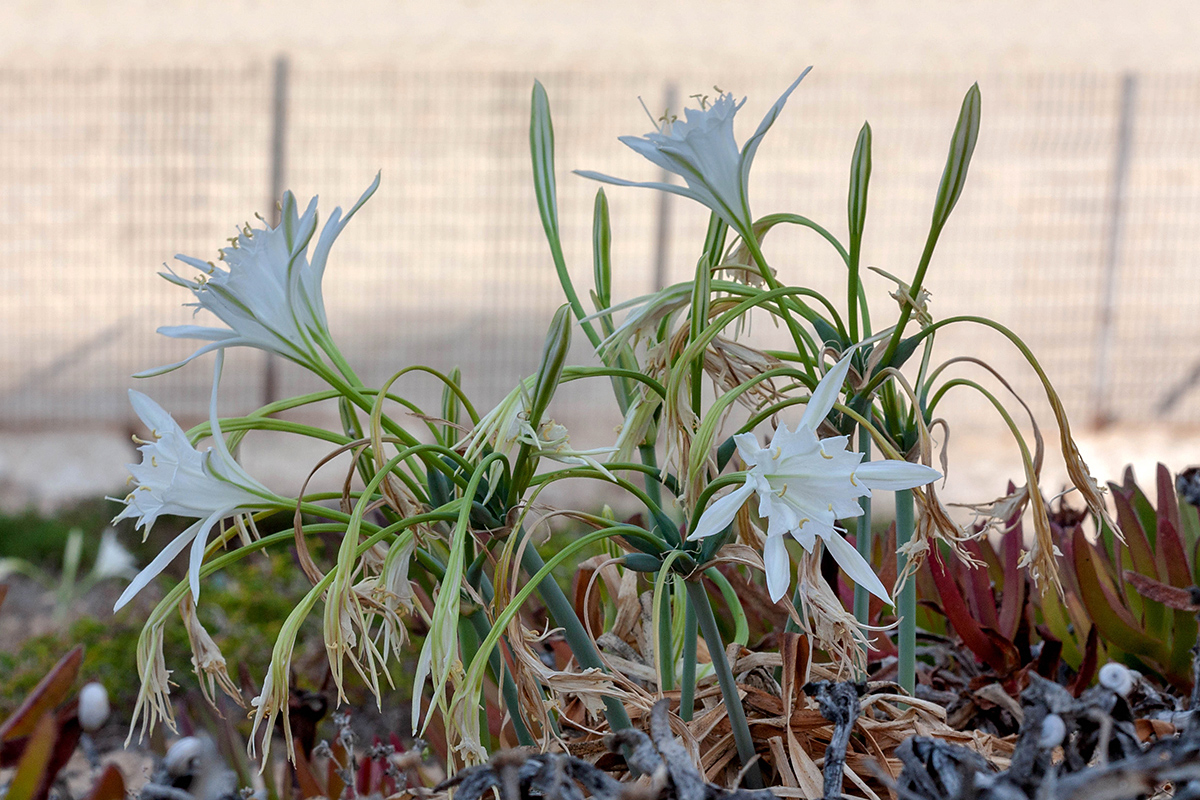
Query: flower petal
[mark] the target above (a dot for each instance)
(718, 515)
(199, 543)
(208, 348)
(855, 566)
(893, 475)
(156, 566)
(778, 567)
(683, 191)
(197, 332)
(751, 145)
(826, 394)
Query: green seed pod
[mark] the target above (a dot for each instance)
(642, 562)
(554, 358)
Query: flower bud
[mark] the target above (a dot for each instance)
(554, 358)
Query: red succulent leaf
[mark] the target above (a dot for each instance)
(49, 692)
(1087, 670)
(109, 786)
(983, 645)
(1169, 596)
(1104, 609)
(35, 761)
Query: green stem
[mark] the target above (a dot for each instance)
(772, 283)
(564, 616)
(665, 649)
(906, 604)
(687, 686)
(507, 688)
(863, 536)
(729, 691)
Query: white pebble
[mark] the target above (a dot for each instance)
(1054, 730)
(185, 756)
(93, 706)
(1116, 678)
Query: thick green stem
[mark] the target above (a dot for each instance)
(729, 690)
(863, 536)
(666, 652)
(687, 686)
(906, 603)
(582, 646)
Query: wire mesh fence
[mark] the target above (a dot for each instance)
(1077, 229)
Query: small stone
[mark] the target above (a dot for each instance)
(93, 706)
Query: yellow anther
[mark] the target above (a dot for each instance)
(800, 524)
(139, 440)
(831, 508)
(852, 481)
(776, 452)
(825, 455)
(260, 218)
(782, 491)
(211, 267)
(154, 461)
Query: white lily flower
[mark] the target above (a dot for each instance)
(264, 287)
(703, 152)
(113, 560)
(175, 478)
(805, 484)
(506, 427)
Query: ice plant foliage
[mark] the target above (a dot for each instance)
(264, 287)
(805, 484)
(702, 150)
(177, 479)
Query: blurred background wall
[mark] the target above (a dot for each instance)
(130, 132)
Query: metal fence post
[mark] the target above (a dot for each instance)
(1101, 412)
(279, 103)
(662, 230)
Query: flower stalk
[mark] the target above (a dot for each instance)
(729, 690)
(906, 602)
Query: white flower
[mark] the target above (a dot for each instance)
(264, 288)
(703, 152)
(112, 560)
(506, 427)
(175, 478)
(805, 484)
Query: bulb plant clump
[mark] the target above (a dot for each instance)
(745, 461)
